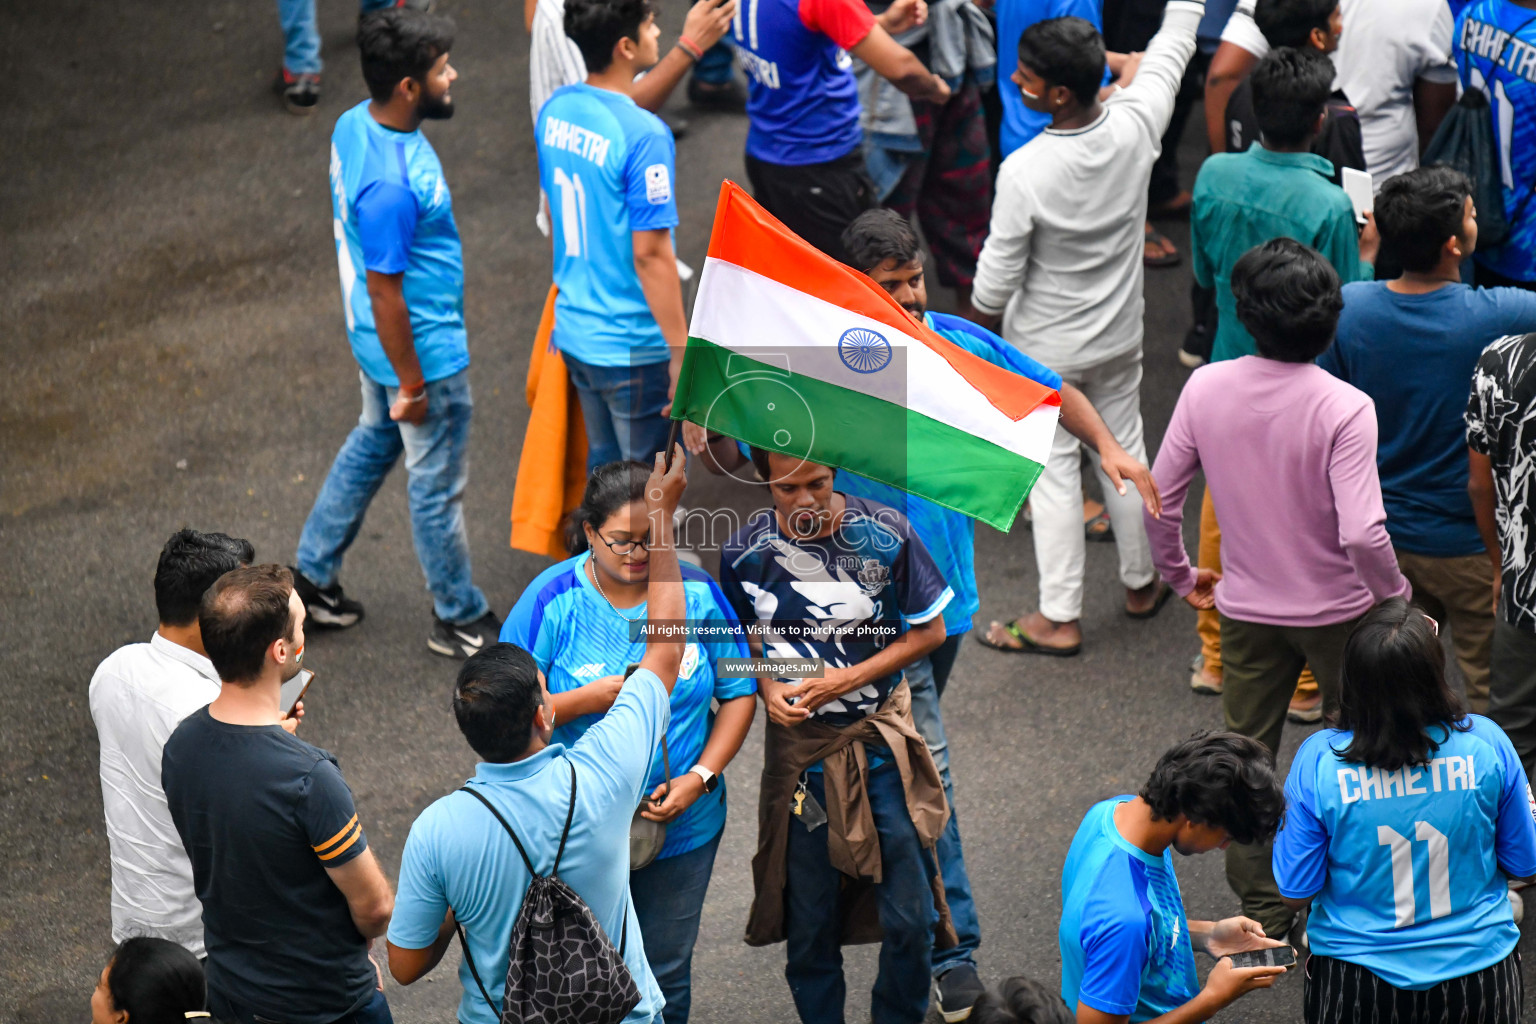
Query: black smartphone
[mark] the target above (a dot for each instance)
(293, 691)
(1274, 956)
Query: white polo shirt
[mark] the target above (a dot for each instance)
(138, 696)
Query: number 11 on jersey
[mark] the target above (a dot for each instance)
(573, 212)
(1402, 871)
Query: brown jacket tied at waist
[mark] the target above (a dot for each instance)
(853, 845)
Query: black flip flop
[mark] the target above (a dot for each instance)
(1026, 645)
(1167, 259)
(1164, 592)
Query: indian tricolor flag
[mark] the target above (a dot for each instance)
(792, 351)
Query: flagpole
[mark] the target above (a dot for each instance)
(677, 425)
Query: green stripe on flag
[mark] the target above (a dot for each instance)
(787, 412)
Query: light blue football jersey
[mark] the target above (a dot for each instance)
(392, 214)
(1406, 865)
(1123, 935)
(576, 636)
(607, 168)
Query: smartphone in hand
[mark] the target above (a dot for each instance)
(1274, 956)
(293, 691)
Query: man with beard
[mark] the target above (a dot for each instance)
(291, 894)
(607, 167)
(402, 289)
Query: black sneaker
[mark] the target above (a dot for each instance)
(301, 93)
(330, 608)
(958, 989)
(463, 642)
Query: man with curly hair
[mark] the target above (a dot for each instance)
(1127, 950)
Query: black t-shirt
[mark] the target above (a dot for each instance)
(262, 814)
(1339, 140)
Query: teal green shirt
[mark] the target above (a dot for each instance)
(1245, 199)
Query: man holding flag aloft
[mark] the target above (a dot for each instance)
(848, 783)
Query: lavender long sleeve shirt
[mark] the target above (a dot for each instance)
(1289, 453)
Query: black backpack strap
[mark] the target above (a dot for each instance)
(569, 813)
(528, 863)
(464, 945)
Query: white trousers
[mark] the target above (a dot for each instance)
(1114, 388)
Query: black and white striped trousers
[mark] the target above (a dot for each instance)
(1339, 992)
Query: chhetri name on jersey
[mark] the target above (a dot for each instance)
(1490, 42)
(572, 138)
(1442, 775)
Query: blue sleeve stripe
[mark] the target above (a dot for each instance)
(932, 611)
(556, 580)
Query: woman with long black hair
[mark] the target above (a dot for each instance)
(1403, 824)
(579, 619)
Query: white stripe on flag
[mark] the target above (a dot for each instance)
(745, 312)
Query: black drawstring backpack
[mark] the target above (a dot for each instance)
(1465, 141)
(561, 966)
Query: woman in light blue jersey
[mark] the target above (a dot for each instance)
(1404, 824)
(579, 619)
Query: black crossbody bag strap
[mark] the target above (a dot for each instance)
(570, 812)
(464, 942)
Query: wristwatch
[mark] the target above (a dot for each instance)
(710, 779)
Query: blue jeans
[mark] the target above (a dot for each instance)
(301, 33)
(437, 461)
(907, 913)
(668, 895)
(717, 66)
(374, 1011)
(622, 409)
(948, 851)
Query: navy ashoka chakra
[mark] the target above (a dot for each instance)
(863, 350)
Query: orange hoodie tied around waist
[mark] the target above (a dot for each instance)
(552, 470)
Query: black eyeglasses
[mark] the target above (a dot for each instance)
(624, 547)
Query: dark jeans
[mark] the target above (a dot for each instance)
(815, 201)
(374, 1011)
(1512, 688)
(943, 660)
(907, 913)
(668, 895)
(621, 406)
(1339, 992)
(922, 678)
(1259, 664)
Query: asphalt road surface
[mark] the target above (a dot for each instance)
(175, 355)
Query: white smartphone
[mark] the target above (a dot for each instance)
(1357, 185)
(293, 691)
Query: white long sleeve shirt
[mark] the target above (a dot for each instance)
(1063, 259)
(138, 696)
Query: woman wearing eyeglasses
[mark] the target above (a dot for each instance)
(578, 620)
(1403, 824)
